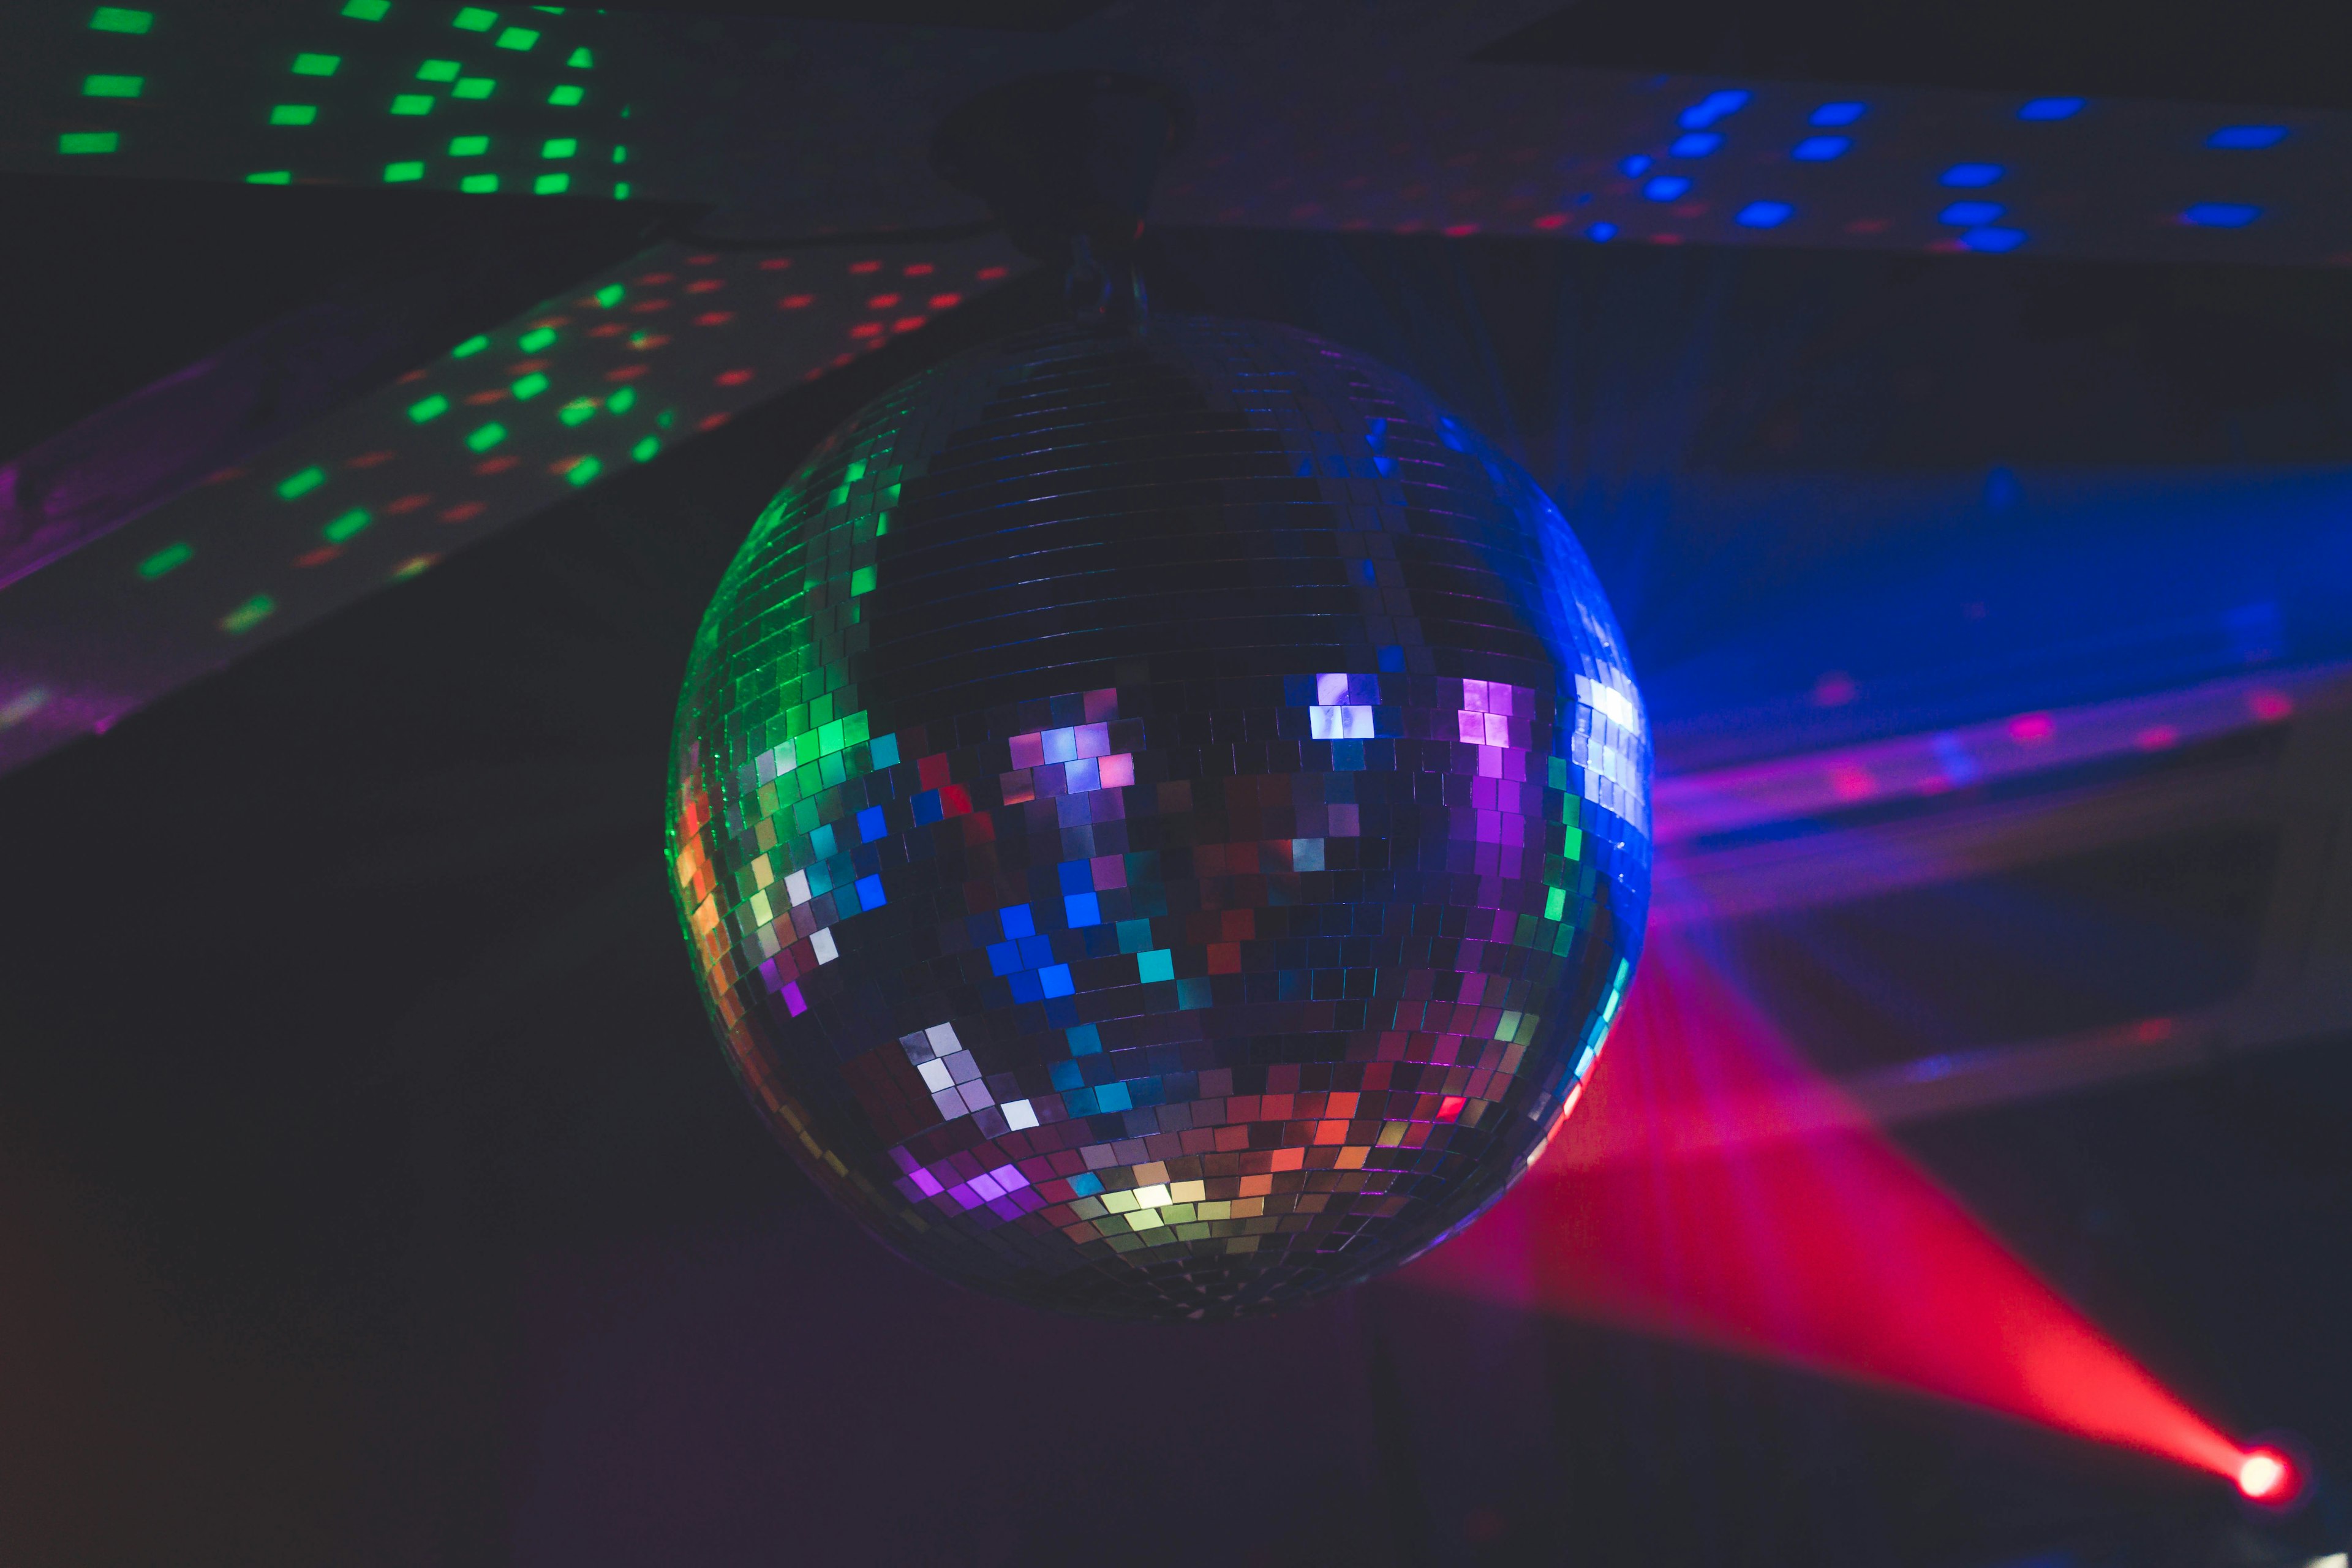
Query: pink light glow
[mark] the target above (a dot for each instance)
(1711, 1187)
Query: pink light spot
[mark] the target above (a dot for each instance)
(2156, 738)
(735, 377)
(713, 421)
(2270, 706)
(2031, 729)
(2148, 1031)
(1552, 220)
(1835, 688)
(1848, 781)
(1457, 231)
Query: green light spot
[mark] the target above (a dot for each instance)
(609, 295)
(881, 523)
(585, 469)
(469, 348)
(367, 10)
(623, 400)
(861, 581)
(472, 87)
(528, 387)
(431, 408)
(517, 39)
(567, 96)
(316, 65)
(479, 184)
(120, 19)
(469, 146)
(438, 70)
(558, 147)
(402, 174)
(1555, 905)
(620, 154)
(474, 19)
(271, 177)
(298, 485)
(488, 436)
(855, 472)
(347, 526)
(88, 142)
(169, 558)
(532, 342)
(579, 411)
(413, 103)
(581, 59)
(249, 615)
(550, 184)
(646, 450)
(621, 192)
(294, 114)
(112, 86)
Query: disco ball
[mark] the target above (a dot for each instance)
(1161, 818)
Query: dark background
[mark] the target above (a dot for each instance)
(371, 1190)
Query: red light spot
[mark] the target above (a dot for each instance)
(1835, 688)
(1867, 226)
(881, 301)
(713, 421)
(1552, 220)
(920, 269)
(659, 278)
(552, 322)
(464, 512)
(735, 377)
(1455, 231)
(319, 557)
(812, 371)
(714, 318)
(865, 267)
(495, 395)
(412, 375)
(609, 329)
(908, 323)
(990, 274)
(705, 285)
(565, 465)
(495, 464)
(795, 301)
(2156, 738)
(2270, 706)
(775, 263)
(2265, 1475)
(627, 372)
(407, 504)
(649, 340)
(1451, 1107)
(528, 366)
(945, 301)
(646, 307)
(2031, 729)
(2148, 1031)
(866, 329)
(370, 459)
(223, 476)
(701, 260)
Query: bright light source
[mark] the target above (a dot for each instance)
(2265, 1476)
(2333, 1560)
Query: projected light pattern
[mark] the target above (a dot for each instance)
(670, 344)
(1159, 820)
(1662, 1209)
(372, 92)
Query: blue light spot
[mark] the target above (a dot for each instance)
(1821, 149)
(1837, 114)
(1634, 166)
(927, 808)
(820, 842)
(2238, 136)
(1086, 1040)
(1968, 214)
(1713, 107)
(1082, 908)
(1113, 1097)
(1993, 239)
(1003, 958)
(1016, 920)
(870, 826)
(1076, 876)
(869, 893)
(1026, 986)
(1764, 215)
(1084, 1184)
(1695, 143)
(1601, 231)
(1970, 176)
(1055, 980)
(2221, 215)
(1391, 660)
(1066, 1074)
(1036, 952)
(1666, 187)
(2051, 108)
